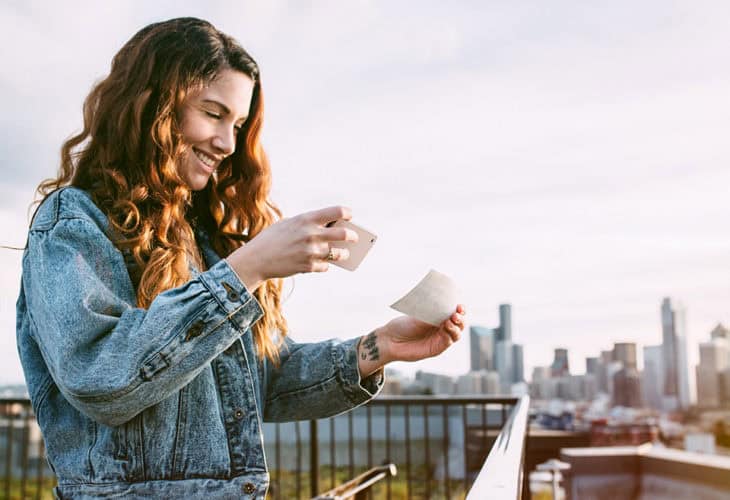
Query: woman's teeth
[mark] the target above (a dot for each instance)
(204, 158)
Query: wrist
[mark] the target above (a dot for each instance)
(245, 266)
(372, 352)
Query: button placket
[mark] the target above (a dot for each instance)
(233, 295)
(195, 330)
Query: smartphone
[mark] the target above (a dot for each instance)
(358, 250)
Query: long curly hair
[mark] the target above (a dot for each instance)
(127, 153)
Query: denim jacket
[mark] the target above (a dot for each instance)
(164, 402)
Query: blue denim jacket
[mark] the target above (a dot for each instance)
(163, 402)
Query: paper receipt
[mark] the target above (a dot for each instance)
(432, 300)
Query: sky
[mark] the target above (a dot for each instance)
(570, 158)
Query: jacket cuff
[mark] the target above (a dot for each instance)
(240, 306)
(357, 389)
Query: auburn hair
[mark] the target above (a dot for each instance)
(126, 159)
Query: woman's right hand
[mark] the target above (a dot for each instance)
(295, 245)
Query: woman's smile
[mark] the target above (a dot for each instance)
(208, 161)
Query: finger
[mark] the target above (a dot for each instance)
(329, 214)
(453, 332)
(460, 309)
(458, 320)
(319, 266)
(336, 254)
(339, 234)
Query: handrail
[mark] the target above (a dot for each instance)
(359, 484)
(501, 474)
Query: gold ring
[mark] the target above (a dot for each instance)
(331, 255)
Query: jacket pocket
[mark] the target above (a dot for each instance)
(121, 443)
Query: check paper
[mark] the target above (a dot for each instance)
(432, 300)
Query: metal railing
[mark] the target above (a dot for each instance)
(503, 470)
(439, 445)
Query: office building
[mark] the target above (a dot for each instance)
(482, 345)
(492, 349)
(713, 362)
(518, 364)
(593, 365)
(560, 367)
(627, 388)
(625, 353)
(720, 332)
(653, 376)
(676, 368)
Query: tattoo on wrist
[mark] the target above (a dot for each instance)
(369, 347)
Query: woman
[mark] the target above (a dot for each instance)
(150, 360)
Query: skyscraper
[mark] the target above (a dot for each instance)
(653, 376)
(713, 361)
(625, 353)
(627, 388)
(482, 346)
(505, 323)
(560, 363)
(720, 332)
(674, 345)
(592, 366)
(492, 349)
(518, 364)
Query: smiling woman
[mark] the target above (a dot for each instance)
(149, 323)
(210, 120)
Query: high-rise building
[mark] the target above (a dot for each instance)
(560, 366)
(505, 323)
(592, 366)
(720, 332)
(627, 388)
(674, 342)
(602, 380)
(713, 362)
(625, 353)
(652, 381)
(436, 383)
(482, 345)
(492, 349)
(490, 382)
(469, 383)
(504, 365)
(518, 364)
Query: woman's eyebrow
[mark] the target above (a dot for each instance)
(223, 107)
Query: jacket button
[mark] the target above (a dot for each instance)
(233, 295)
(195, 330)
(239, 414)
(249, 488)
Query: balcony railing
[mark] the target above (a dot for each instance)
(503, 472)
(439, 445)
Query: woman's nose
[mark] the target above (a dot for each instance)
(225, 141)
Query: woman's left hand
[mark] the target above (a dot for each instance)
(408, 339)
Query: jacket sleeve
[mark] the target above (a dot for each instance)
(109, 358)
(317, 380)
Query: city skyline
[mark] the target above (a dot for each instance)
(570, 159)
(660, 384)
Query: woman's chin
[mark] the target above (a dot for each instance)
(197, 183)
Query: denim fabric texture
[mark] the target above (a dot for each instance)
(164, 402)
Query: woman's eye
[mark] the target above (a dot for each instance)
(213, 115)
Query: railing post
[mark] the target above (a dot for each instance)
(313, 459)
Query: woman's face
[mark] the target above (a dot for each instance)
(210, 119)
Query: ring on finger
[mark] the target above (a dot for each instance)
(331, 255)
